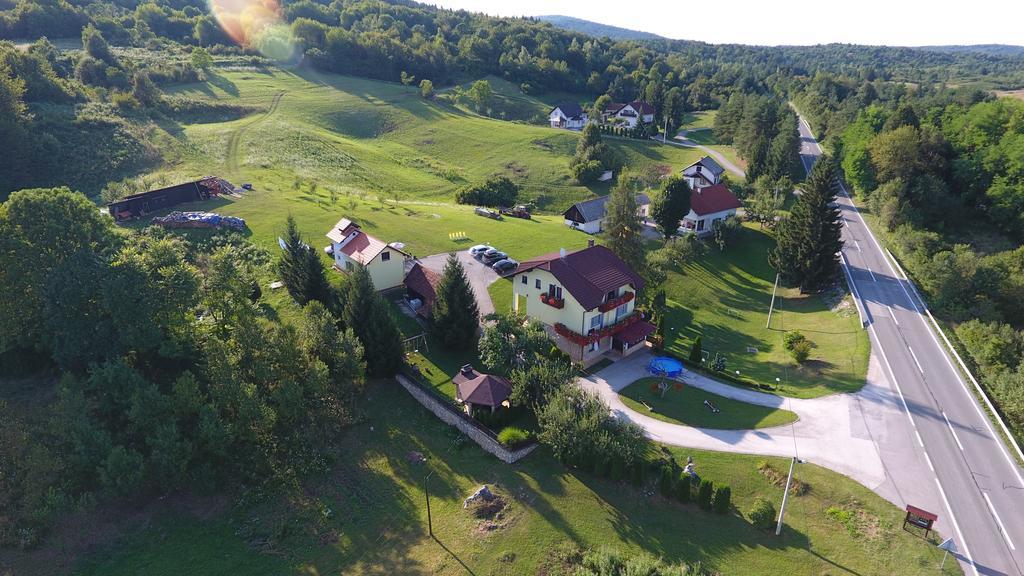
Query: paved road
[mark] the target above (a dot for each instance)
(681, 140)
(981, 488)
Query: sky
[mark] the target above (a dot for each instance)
(774, 22)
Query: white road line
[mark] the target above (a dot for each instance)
(999, 521)
(955, 437)
(857, 244)
(892, 315)
(914, 356)
(920, 442)
(873, 279)
(956, 526)
(929, 461)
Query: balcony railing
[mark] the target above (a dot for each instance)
(552, 301)
(616, 302)
(596, 335)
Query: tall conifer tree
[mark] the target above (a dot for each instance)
(302, 271)
(622, 225)
(366, 312)
(455, 316)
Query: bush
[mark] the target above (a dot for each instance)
(696, 351)
(639, 470)
(495, 191)
(513, 437)
(791, 338)
(722, 500)
(666, 481)
(587, 172)
(762, 514)
(704, 494)
(684, 487)
(617, 470)
(801, 351)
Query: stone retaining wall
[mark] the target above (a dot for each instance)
(452, 416)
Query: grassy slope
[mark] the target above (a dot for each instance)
(700, 127)
(366, 139)
(724, 298)
(376, 510)
(686, 406)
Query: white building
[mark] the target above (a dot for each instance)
(568, 115)
(350, 247)
(629, 113)
(703, 172)
(709, 205)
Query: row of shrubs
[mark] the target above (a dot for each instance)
(679, 485)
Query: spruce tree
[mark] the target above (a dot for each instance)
(808, 242)
(302, 271)
(623, 228)
(671, 205)
(366, 312)
(455, 316)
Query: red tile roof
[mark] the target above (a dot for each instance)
(642, 107)
(481, 389)
(362, 248)
(423, 281)
(636, 332)
(711, 199)
(587, 274)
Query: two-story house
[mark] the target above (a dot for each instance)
(708, 206)
(629, 113)
(585, 299)
(568, 115)
(703, 172)
(352, 247)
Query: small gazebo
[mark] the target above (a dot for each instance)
(475, 389)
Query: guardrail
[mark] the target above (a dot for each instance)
(963, 365)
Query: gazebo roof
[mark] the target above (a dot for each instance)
(481, 389)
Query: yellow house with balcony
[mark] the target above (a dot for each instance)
(585, 299)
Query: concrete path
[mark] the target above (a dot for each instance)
(831, 431)
(480, 276)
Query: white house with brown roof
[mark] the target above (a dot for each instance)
(629, 113)
(352, 247)
(703, 172)
(585, 299)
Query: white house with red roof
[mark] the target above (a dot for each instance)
(352, 247)
(708, 205)
(629, 113)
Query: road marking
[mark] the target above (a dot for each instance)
(956, 526)
(914, 356)
(929, 461)
(955, 437)
(919, 440)
(892, 315)
(857, 244)
(873, 279)
(999, 521)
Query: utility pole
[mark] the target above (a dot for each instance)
(665, 132)
(426, 492)
(785, 496)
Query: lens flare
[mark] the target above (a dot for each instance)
(256, 24)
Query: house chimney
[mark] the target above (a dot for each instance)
(590, 243)
(561, 253)
(466, 369)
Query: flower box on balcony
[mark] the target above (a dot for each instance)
(552, 301)
(616, 302)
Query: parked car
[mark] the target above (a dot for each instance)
(492, 257)
(478, 250)
(505, 266)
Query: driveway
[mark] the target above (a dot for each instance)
(842, 432)
(681, 140)
(480, 276)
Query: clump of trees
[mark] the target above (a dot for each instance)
(764, 131)
(494, 191)
(809, 240)
(592, 157)
(670, 205)
(170, 374)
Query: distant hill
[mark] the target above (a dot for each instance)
(596, 29)
(989, 49)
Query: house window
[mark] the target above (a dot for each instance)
(385, 256)
(525, 279)
(555, 291)
(612, 295)
(536, 283)
(596, 322)
(348, 266)
(621, 311)
(700, 224)
(698, 168)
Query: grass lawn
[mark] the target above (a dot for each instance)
(501, 295)
(724, 298)
(686, 406)
(700, 129)
(366, 516)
